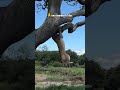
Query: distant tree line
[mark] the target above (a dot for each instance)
(52, 58)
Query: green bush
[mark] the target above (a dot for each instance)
(56, 64)
(53, 58)
(62, 87)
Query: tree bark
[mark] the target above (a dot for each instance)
(51, 24)
(16, 22)
(92, 6)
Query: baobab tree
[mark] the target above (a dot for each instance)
(17, 20)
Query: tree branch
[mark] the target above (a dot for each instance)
(78, 13)
(78, 25)
(48, 29)
(93, 5)
(71, 27)
(66, 26)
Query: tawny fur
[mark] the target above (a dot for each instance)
(65, 58)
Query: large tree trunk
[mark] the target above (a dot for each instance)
(22, 50)
(92, 6)
(51, 24)
(16, 22)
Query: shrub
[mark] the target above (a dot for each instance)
(62, 87)
(56, 64)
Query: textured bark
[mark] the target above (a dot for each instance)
(51, 24)
(21, 50)
(92, 6)
(16, 22)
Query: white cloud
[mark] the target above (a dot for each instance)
(80, 52)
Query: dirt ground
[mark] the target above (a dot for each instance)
(41, 81)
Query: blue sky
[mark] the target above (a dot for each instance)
(74, 41)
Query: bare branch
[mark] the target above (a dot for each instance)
(66, 26)
(78, 13)
(78, 25)
(71, 27)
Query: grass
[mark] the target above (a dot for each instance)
(73, 71)
(61, 87)
(59, 75)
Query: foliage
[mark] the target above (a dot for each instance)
(112, 77)
(43, 4)
(46, 57)
(56, 64)
(16, 75)
(82, 59)
(99, 77)
(94, 74)
(62, 87)
(52, 58)
(49, 70)
(60, 74)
